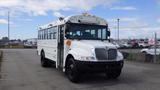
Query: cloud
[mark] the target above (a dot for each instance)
(127, 22)
(124, 19)
(24, 19)
(3, 21)
(133, 27)
(137, 32)
(129, 19)
(158, 2)
(128, 8)
(58, 14)
(41, 7)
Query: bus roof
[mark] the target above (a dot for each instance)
(80, 19)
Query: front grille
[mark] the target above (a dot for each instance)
(104, 54)
(112, 54)
(101, 53)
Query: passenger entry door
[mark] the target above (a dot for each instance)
(60, 52)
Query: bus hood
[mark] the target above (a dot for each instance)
(85, 48)
(92, 44)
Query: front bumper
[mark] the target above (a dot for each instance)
(88, 66)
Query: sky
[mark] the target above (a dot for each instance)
(138, 18)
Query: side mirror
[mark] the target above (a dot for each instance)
(108, 33)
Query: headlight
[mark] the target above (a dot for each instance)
(87, 58)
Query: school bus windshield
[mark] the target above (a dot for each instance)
(86, 32)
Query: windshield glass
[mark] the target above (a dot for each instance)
(86, 32)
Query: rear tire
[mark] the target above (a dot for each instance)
(113, 73)
(71, 71)
(44, 61)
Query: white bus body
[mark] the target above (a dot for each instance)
(79, 44)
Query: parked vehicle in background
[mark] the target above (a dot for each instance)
(116, 44)
(143, 45)
(79, 44)
(126, 45)
(151, 50)
(134, 44)
(30, 43)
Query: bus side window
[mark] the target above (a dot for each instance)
(54, 35)
(48, 34)
(42, 34)
(51, 32)
(55, 32)
(38, 34)
(45, 34)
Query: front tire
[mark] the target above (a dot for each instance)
(71, 70)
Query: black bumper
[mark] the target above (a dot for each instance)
(86, 66)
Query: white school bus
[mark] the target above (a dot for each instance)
(79, 44)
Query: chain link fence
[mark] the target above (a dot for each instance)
(136, 55)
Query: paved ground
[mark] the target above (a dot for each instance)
(21, 70)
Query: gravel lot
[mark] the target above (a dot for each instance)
(21, 70)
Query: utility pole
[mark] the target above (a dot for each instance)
(155, 48)
(118, 28)
(9, 29)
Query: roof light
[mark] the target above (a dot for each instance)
(50, 25)
(61, 18)
(85, 14)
